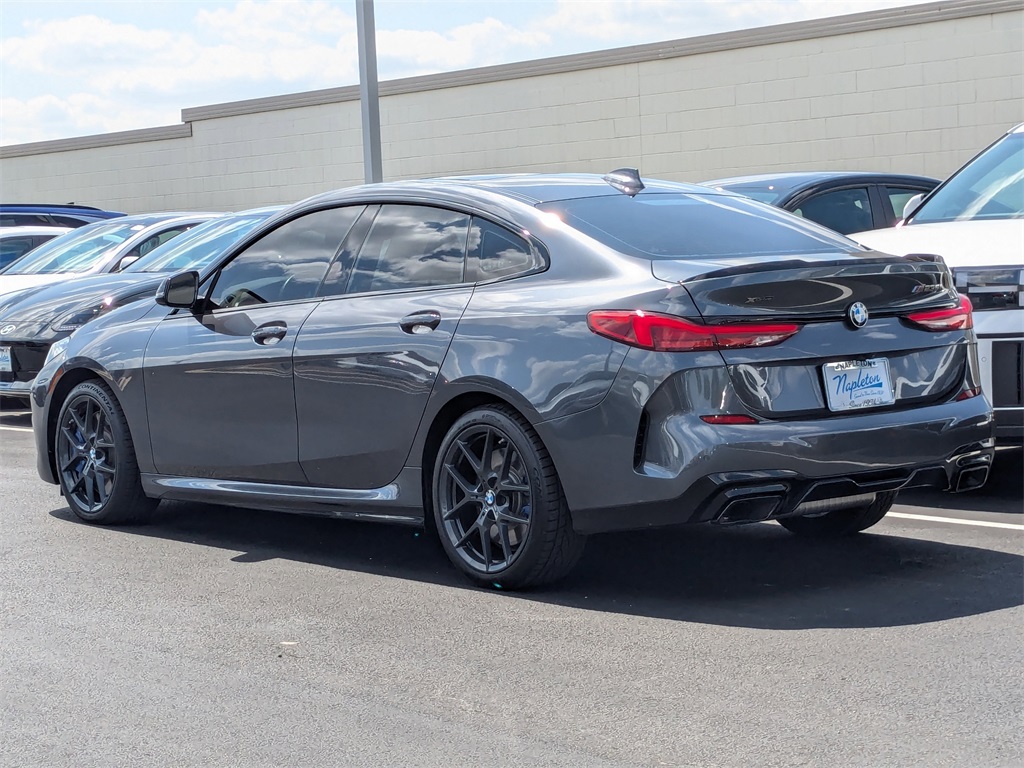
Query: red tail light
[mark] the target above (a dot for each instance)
(955, 319)
(967, 394)
(729, 418)
(667, 333)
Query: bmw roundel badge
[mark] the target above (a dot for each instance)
(857, 314)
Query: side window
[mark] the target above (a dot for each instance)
(496, 252)
(286, 264)
(24, 220)
(68, 221)
(13, 247)
(898, 198)
(411, 246)
(844, 210)
(157, 240)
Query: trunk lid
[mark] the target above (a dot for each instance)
(831, 366)
(808, 290)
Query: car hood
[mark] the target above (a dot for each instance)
(959, 243)
(14, 283)
(33, 310)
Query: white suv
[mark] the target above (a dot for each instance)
(975, 221)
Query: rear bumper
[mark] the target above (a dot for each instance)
(623, 470)
(731, 498)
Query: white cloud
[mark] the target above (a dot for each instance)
(281, 23)
(626, 22)
(85, 74)
(79, 114)
(121, 57)
(490, 41)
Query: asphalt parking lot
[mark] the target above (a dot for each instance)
(217, 636)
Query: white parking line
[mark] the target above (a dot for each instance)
(955, 521)
(16, 429)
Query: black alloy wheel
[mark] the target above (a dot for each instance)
(498, 506)
(96, 464)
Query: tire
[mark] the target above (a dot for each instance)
(96, 465)
(841, 522)
(502, 521)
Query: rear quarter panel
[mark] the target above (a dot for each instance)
(525, 340)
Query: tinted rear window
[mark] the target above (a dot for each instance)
(671, 226)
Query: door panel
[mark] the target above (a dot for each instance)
(364, 368)
(220, 395)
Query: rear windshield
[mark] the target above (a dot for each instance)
(680, 226)
(77, 251)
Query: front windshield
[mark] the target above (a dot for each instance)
(198, 247)
(77, 251)
(991, 186)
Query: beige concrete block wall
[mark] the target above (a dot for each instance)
(915, 90)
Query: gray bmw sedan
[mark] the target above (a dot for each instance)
(514, 362)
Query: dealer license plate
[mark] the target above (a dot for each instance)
(5, 359)
(852, 384)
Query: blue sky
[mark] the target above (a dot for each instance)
(79, 68)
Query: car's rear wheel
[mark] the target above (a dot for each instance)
(96, 464)
(841, 522)
(498, 506)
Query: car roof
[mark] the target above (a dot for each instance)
(796, 180)
(148, 219)
(59, 208)
(29, 231)
(529, 188)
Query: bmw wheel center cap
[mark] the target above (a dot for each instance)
(857, 314)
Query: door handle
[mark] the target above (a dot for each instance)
(269, 335)
(421, 322)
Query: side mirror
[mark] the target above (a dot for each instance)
(127, 261)
(911, 206)
(179, 291)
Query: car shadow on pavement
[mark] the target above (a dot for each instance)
(756, 576)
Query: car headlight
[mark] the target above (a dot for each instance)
(75, 319)
(57, 350)
(991, 288)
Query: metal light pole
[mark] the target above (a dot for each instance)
(369, 101)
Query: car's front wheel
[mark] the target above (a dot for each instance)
(96, 464)
(841, 522)
(498, 506)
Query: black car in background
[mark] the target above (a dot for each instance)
(516, 361)
(48, 215)
(843, 201)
